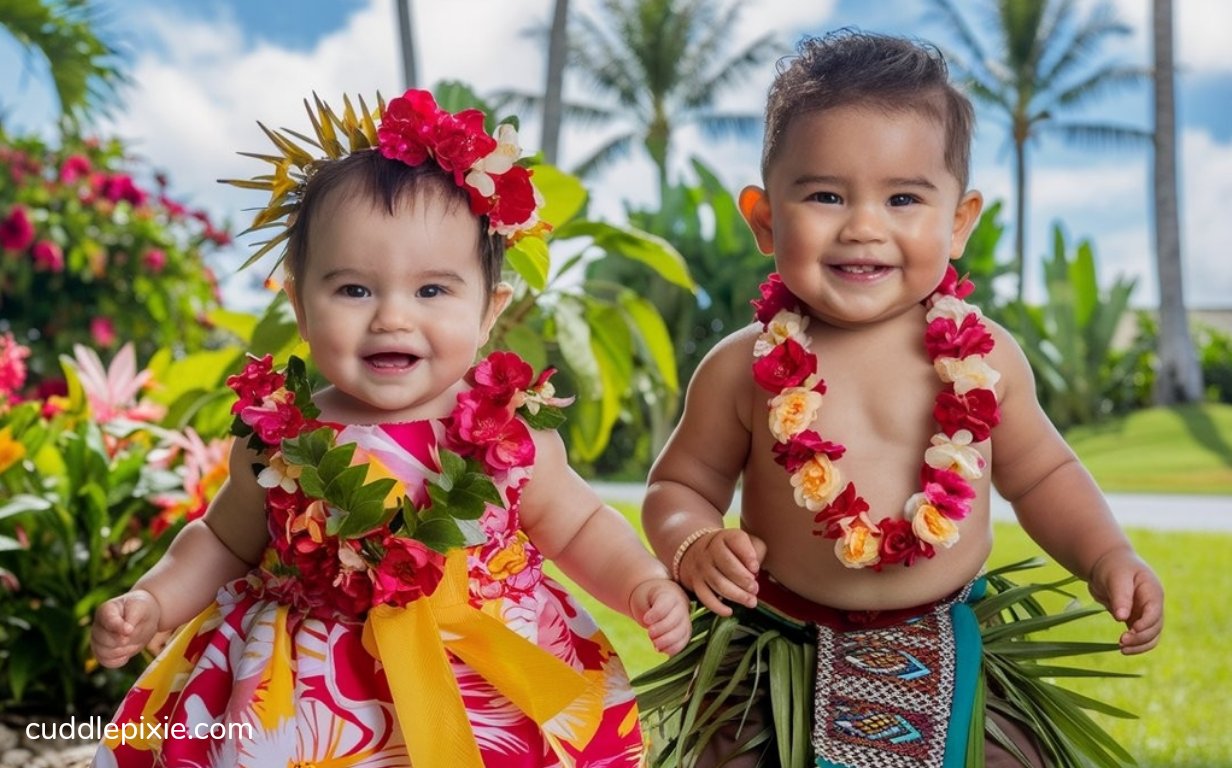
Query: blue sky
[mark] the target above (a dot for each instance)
(206, 70)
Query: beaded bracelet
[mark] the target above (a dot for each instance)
(689, 541)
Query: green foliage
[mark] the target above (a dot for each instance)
(703, 221)
(88, 256)
(1068, 341)
(74, 531)
(979, 260)
(1215, 357)
(70, 35)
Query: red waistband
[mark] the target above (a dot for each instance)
(801, 608)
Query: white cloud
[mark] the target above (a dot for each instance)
(1200, 30)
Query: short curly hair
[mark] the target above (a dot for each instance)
(849, 67)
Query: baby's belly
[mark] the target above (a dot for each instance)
(807, 565)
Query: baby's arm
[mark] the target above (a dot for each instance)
(597, 548)
(205, 554)
(1062, 509)
(692, 482)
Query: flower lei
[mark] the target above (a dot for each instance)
(965, 410)
(347, 544)
(414, 129)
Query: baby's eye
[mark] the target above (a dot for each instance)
(353, 291)
(828, 198)
(430, 291)
(903, 199)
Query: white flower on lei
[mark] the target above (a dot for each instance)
(966, 373)
(955, 454)
(952, 307)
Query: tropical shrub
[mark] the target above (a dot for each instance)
(91, 488)
(88, 255)
(701, 219)
(1068, 340)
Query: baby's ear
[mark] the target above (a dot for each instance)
(966, 216)
(755, 207)
(497, 302)
(293, 296)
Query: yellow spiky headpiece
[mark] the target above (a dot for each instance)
(411, 129)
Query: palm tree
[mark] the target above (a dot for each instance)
(406, 43)
(86, 70)
(1041, 66)
(1179, 378)
(664, 64)
(558, 50)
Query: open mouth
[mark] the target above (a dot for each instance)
(392, 362)
(860, 270)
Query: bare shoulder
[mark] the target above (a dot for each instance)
(1009, 360)
(723, 380)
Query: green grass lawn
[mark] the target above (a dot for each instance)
(1187, 449)
(1183, 696)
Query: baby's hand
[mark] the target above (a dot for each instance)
(723, 566)
(1132, 593)
(662, 607)
(123, 626)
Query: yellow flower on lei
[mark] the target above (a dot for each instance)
(928, 524)
(816, 483)
(791, 411)
(860, 543)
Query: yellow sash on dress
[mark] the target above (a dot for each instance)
(411, 642)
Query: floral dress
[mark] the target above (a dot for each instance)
(318, 658)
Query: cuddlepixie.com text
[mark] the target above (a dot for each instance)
(96, 729)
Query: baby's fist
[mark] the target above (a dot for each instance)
(662, 607)
(123, 626)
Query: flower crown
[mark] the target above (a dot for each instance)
(413, 130)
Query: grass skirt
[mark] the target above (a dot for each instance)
(733, 665)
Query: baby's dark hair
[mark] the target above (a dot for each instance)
(848, 67)
(386, 184)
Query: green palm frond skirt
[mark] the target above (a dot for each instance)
(887, 690)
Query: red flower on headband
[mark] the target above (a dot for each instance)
(414, 129)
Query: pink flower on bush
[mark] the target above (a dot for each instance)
(75, 167)
(12, 365)
(102, 330)
(48, 256)
(154, 260)
(408, 571)
(16, 231)
(118, 186)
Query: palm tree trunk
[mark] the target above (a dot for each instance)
(406, 36)
(1020, 214)
(1179, 378)
(552, 95)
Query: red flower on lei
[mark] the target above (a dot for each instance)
(965, 410)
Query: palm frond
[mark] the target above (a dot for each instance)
(1099, 82)
(1096, 134)
(719, 126)
(764, 49)
(604, 156)
(86, 70)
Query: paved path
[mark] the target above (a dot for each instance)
(1155, 511)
